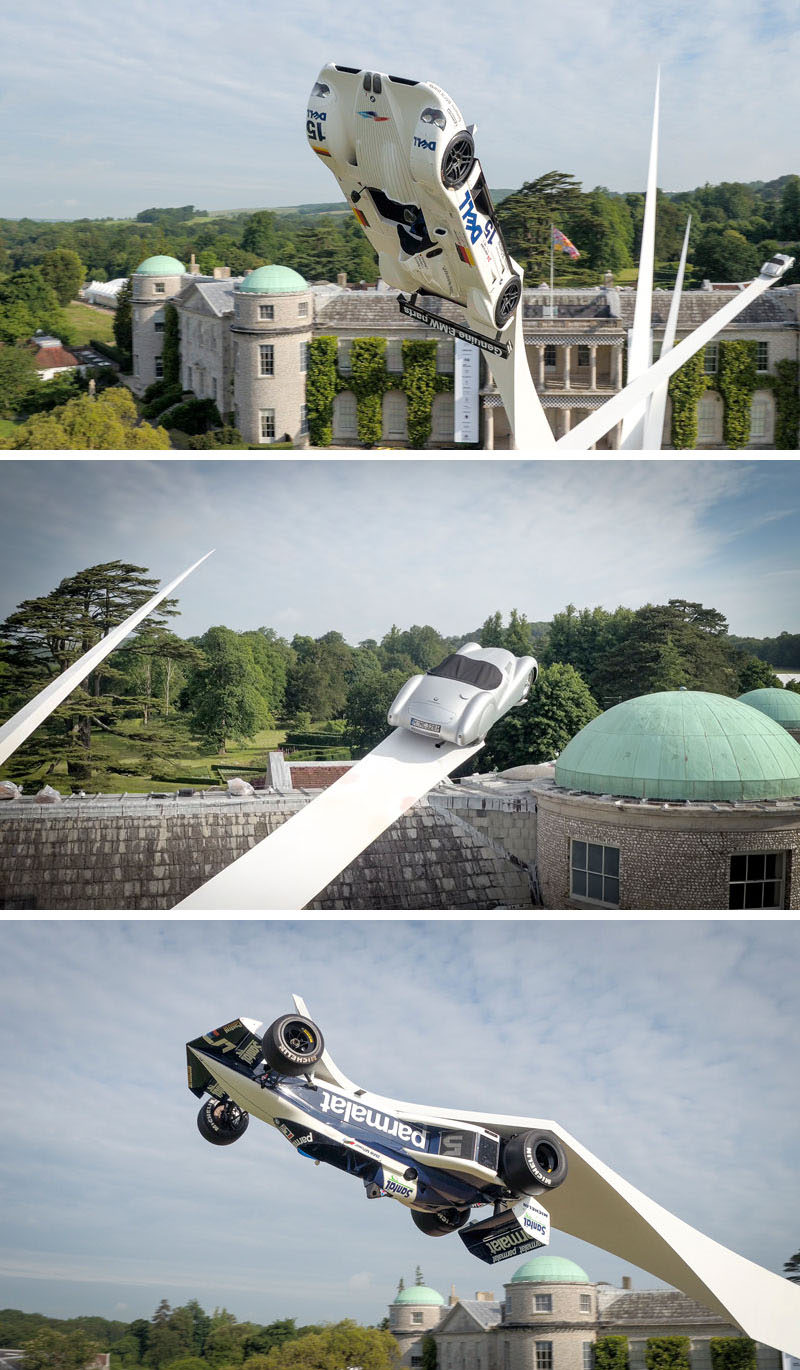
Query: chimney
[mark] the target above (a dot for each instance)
(484, 1296)
(222, 273)
(341, 278)
(194, 269)
(453, 1296)
(608, 279)
(627, 1282)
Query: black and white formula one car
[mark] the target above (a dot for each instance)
(437, 1166)
(405, 160)
(464, 696)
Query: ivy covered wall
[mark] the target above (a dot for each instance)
(736, 381)
(369, 379)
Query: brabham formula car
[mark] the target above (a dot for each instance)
(406, 163)
(460, 700)
(438, 1168)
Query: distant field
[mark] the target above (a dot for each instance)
(86, 323)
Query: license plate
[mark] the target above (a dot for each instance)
(426, 727)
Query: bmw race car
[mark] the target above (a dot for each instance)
(438, 1167)
(460, 700)
(406, 163)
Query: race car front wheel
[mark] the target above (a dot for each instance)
(458, 160)
(439, 1224)
(222, 1121)
(533, 1162)
(507, 301)
(292, 1045)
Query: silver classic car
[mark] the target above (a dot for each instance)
(459, 700)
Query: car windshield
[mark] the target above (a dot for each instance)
(465, 668)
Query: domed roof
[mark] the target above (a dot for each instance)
(273, 280)
(419, 1293)
(782, 705)
(682, 744)
(160, 266)
(550, 1270)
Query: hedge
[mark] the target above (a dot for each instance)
(193, 416)
(172, 395)
(732, 1353)
(123, 359)
(667, 1353)
(611, 1353)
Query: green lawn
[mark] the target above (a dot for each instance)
(7, 427)
(86, 323)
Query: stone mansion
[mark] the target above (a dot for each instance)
(244, 343)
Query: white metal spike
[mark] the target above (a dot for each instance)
(640, 345)
(654, 419)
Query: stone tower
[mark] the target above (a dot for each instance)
(156, 281)
(271, 333)
(414, 1312)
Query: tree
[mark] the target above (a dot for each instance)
(123, 318)
(732, 1353)
(789, 212)
(559, 705)
(64, 271)
(171, 350)
(725, 256)
(791, 1268)
(224, 696)
(611, 1353)
(259, 234)
(526, 215)
(27, 303)
(368, 700)
(429, 1357)
(18, 377)
(667, 1353)
(341, 1344)
(54, 1350)
(755, 674)
(108, 422)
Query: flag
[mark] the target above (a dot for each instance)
(561, 243)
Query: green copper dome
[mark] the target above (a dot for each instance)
(682, 744)
(160, 266)
(782, 705)
(419, 1293)
(550, 1270)
(273, 280)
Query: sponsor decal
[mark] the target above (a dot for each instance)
(452, 330)
(314, 130)
(362, 1148)
(230, 1026)
(370, 114)
(348, 1111)
(362, 218)
(317, 114)
(303, 1141)
(320, 151)
(250, 1053)
(469, 215)
(215, 1039)
(397, 1188)
(423, 142)
(465, 254)
(506, 1242)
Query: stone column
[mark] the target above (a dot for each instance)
(488, 427)
(615, 435)
(592, 368)
(567, 362)
(566, 422)
(617, 368)
(540, 368)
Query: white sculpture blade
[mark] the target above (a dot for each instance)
(598, 1206)
(14, 732)
(288, 868)
(596, 425)
(639, 346)
(512, 376)
(654, 419)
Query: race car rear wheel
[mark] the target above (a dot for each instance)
(458, 160)
(439, 1224)
(221, 1121)
(507, 301)
(533, 1162)
(292, 1045)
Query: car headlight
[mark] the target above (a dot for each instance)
(434, 116)
(320, 89)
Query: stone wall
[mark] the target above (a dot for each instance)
(672, 855)
(285, 390)
(507, 819)
(120, 852)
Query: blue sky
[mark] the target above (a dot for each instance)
(666, 1048)
(195, 102)
(306, 546)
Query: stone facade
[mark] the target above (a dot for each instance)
(671, 855)
(150, 294)
(123, 852)
(270, 364)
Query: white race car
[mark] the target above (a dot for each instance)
(406, 163)
(460, 700)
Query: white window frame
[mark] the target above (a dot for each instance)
(158, 325)
(588, 1355)
(711, 359)
(394, 401)
(266, 359)
(416, 1318)
(543, 1303)
(302, 309)
(752, 859)
(550, 349)
(343, 357)
(576, 868)
(159, 287)
(584, 357)
(762, 352)
(266, 311)
(543, 1358)
(586, 1307)
(266, 418)
(304, 354)
(303, 420)
(159, 368)
(760, 407)
(351, 435)
(707, 418)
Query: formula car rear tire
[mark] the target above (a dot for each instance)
(458, 159)
(441, 1223)
(228, 1127)
(533, 1163)
(507, 301)
(292, 1045)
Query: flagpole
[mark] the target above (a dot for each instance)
(552, 251)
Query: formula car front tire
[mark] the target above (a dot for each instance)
(441, 1223)
(533, 1163)
(507, 301)
(458, 159)
(229, 1124)
(292, 1045)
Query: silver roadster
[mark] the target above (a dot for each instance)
(459, 700)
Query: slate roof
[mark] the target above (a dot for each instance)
(648, 1306)
(217, 295)
(378, 310)
(484, 1313)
